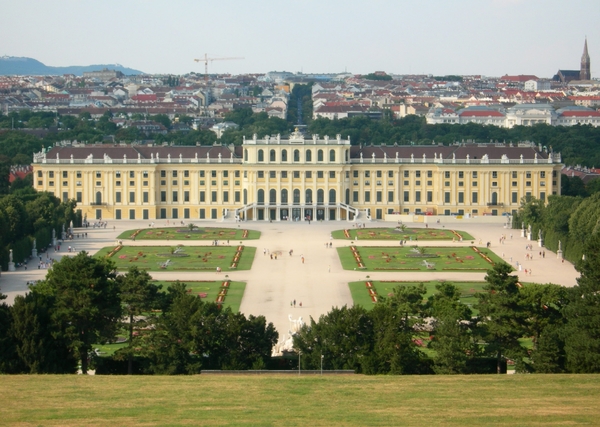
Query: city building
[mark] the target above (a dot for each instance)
(297, 178)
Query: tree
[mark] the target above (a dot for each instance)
(138, 296)
(502, 315)
(543, 306)
(9, 360)
(451, 338)
(87, 307)
(168, 345)
(396, 322)
(41, 346)
(344, 337)
(582, 332)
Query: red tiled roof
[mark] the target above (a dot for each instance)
(479, 113)
(580, 114)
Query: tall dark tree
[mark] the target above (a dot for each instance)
(451, 330)
(168, 344)
(41, 346)
(138, 296)
(582, 332)
(344, 337)
(9, 360)
(87, 306)
(396, 322)
(502, 316)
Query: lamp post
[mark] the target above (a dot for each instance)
(321, 363)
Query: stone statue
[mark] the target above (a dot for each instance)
(53, 234)
(529, 228)
(34, 244)
(559, 245)
(522, 226)
(540, 234)
(10, 259)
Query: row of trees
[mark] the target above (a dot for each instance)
(82, 302)
(570, 220)
(26, 215)
(560, 323)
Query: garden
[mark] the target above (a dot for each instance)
(367, 292)
(181, 258)
(190, 232)
(401, 232)
(417, 258)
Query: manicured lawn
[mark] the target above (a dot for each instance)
(361, 296)
(386, 258)
(184, 233)
(407, 234)
(209, 290)
(199, 258)
(300, 400)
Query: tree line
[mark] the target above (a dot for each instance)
(27, 216)
(83, 302)
(541, 328)
(578, 144)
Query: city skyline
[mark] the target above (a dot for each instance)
(487, 37)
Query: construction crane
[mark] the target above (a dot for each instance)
(206, 59)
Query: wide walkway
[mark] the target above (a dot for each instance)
(319, 282)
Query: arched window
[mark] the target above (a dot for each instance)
(273, 197)
(346, 156)
(284, 155)
(245, 155)
(296, 155)
(320, 196)
(319, 155)
(284, 196)
(332, 155)
(272, 155)
(308, 156)
(494, 198)
(261, 197)
(98, 198)
(332, 197)
(296, 196)
(347, 196)
(261, 156)
(308, 199)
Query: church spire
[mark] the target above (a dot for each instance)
(584, 73)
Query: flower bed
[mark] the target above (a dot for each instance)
(134, 235)
(237, 256)
(114, 251)
(484, 256)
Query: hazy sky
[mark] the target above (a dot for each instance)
(489, 37)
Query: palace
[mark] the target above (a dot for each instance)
(296, 179)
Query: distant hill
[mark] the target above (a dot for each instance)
(12, 65)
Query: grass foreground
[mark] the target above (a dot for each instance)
(293, 400)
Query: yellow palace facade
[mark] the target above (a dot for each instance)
(297, 178)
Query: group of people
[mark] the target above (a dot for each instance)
(293, 304)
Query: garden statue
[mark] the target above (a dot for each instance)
(559, 245)
(10, 256)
